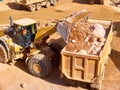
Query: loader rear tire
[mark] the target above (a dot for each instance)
(39, 66)
(3, 54)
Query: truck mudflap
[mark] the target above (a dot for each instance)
(96, 83)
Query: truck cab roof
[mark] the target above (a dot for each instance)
(24, 22)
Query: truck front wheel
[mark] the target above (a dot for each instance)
(39, 66)
(47, 4)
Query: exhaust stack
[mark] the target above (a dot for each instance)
(11, 21)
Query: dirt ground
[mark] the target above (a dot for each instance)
(13, 77)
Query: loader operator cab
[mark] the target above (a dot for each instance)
(24, 31)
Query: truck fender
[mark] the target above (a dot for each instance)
(2, 42)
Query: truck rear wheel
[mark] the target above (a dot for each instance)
(38, 6)
(3, 54)
(39, 66)
(54, 2)
(32, 7)
(47, 4)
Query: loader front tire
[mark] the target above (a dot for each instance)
(39, 66)
(3, 54)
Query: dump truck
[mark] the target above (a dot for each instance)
(33, 5)
(84, 67)
(23, 40)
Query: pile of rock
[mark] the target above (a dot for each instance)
(80, 35)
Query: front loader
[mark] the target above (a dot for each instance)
(22, 40)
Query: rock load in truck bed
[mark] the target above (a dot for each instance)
(80, 35)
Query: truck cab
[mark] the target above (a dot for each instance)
(20, 35)
(24, 31)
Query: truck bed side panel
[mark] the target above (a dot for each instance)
(87, 67)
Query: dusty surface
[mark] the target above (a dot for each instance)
(12, 77)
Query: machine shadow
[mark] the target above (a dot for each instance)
(16, 6)
(56, 78)
(21, 64)
(81, 1)
(115, 56)
(116, 27)
(59, 41)
(55, 75)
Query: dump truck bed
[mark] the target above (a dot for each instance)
(87, 68)
(27, 2)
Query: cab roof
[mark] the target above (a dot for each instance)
(24, 22)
